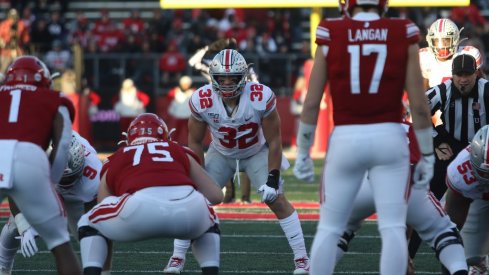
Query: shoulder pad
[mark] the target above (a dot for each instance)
(201, 99)
(261, 97)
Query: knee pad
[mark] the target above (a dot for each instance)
(344, 241)
(88, 231)
(446, 239)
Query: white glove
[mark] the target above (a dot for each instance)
(269, 194)
(28, 242)
(304, 168)
(424, 171)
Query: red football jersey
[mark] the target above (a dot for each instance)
(366, 67)
(27, 113)
(134, 167)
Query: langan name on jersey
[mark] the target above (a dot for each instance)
(367, 34)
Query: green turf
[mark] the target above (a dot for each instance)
(247, 247)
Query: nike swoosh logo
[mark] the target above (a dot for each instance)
(248, 118)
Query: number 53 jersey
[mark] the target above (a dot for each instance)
(240, 134)
(461, 178)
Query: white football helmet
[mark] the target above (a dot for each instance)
(76, 161)
(479, 155)
(443, 38)
(228, 63)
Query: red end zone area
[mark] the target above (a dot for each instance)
(308, 211)
(259, 211)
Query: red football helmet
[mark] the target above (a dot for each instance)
(146, 127)
(28, 70)
(346, 6)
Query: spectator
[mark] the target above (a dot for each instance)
(172, 65)
(58, 59)
(56, 27)
(41, 39)
(179, 109)
(130, 104)
(14, 36)
(134, 25)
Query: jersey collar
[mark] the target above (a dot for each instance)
(366, 16)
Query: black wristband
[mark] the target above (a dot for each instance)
(273, 178)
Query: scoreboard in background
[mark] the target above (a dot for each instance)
(222, 4)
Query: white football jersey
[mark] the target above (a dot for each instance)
(437, 71)
(461, 178)
(86, 187)
(239, 135)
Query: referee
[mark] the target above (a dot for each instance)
(464, 105)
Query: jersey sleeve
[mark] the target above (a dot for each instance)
(322, 33)
(195, 105)
(192, 154)
(412, 32)
(68, 104)
(263, 99)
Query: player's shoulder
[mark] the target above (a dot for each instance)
(202, 98)
(453, 173)
(258, 95)
(468, 50)
(425, 51)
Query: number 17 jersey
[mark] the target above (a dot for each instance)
(239, 135)
(366, 66)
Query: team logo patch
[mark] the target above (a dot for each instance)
(37, 77)
(160, 131)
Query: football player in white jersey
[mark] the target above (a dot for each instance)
(436, 66)
(443, 45)
(78, 188)
(468, 196)
(245, 130)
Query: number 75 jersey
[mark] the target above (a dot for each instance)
(239, 135)
(461, 178)
(366, 66)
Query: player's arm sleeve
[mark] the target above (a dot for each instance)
(61, 143)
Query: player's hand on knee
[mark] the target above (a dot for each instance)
(304, 168)
(424, 171)
(28, 244)
(269, 191)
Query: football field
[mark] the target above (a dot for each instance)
(254, 245)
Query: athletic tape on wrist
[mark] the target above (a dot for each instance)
(305, 137)
(425, 140)
(22, 223)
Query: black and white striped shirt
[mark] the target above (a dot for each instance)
(461, 115)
